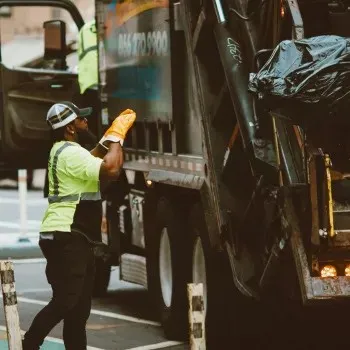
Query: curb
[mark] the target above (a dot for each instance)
(22, 249)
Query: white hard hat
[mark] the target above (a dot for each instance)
(62, 113)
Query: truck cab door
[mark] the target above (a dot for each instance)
(30, 83)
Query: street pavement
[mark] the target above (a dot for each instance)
(11, 238)
(122, 320)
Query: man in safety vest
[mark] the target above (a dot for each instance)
(88, 60)
(72, 218)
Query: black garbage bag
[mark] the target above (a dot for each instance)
(306, 76)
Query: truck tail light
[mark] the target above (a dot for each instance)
(328, 271)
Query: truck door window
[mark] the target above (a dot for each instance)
(22, 37)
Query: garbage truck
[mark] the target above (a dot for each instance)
(226, 182)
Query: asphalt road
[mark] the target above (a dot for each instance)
(121, 320)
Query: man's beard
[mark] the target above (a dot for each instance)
(86, 139)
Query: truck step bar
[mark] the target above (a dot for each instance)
(133, 269)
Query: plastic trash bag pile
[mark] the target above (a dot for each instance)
(306, 78)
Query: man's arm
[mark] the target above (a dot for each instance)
(99, 151)
(109, 149)
(116, 133)
(79, 163)
(112, 163)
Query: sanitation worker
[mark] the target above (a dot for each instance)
(72, 218)
(88, 56)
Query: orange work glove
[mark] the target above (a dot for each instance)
(119, 128)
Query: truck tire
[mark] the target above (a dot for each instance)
(212, 270)
(167, 269)
(102, 277)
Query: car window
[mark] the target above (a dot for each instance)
(22, 36)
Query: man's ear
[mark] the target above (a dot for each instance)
(70, 129)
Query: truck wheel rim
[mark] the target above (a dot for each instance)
(199, 272)
(165, 268)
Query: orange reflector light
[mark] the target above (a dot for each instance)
(328, 271)
(282, 12)
(347, 270)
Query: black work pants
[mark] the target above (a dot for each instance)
(70, 270)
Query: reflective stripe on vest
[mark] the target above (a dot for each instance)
(54, 168)
(85, 196)
(90, 196)
(84, 50)
(60, 199)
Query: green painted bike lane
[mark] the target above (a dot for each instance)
(48, 345)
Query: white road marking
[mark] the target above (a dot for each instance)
(96, 312)
(12, 240)
(162, 345)
(51, 339)
(34, 290)
(31, 202)
(31, 224)
(29, 261)
(32, 234)
(60, 341)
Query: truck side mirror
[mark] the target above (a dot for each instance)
(55, 43)
(5, 11)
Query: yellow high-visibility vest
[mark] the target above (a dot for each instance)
(88, 61)
(74, 190)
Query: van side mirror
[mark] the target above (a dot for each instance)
(55, 43)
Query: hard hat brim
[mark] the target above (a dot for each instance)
(85, 112)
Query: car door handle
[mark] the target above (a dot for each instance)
(56, 86)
